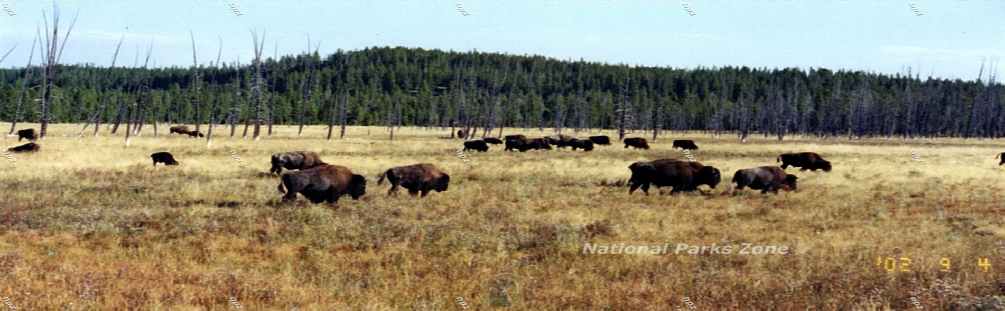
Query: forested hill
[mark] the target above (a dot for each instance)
(381, 86)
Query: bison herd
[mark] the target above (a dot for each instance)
(307, 174)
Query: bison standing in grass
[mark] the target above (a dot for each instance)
(764, 178)
(682, 176)
(804, 161)
(477, 145)
(322, 183)
(163, 157)
(600, 140)
(685, 144)
(584, 144)
(417, 178)
(636, 142)
(492, 140)
(179, 129)
(29, 147)
(28, 134)
(514, 141)
(297, 160)
(560, 141)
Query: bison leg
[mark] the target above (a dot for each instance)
(785, 166)
(393, 190)
(413, 192)
(290, 196)
(423, 193)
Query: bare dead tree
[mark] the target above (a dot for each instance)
(195, 89)
(4, 57)
(256, 85)
(342, 114)
(52, 54)
(24, 87)
(234, 105)
(307, 86)
(96, 117)
(272, 100)
(331, 112)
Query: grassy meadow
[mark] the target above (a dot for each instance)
(88, 224)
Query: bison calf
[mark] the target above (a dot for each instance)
(764, 178)
(600, 140)
(322, 183)
(29, 147)
(477, 145)
(417, 178)
(28, 134)
(685, 144)
(297, 160)
(804, 161)
(492, 140)
(682, 176)
(163, 157)
(636, 142)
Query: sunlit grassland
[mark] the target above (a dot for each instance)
(90, 224)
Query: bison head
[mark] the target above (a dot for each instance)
(708, 175)
(825, 165)
(790, 182)
(442, 183)
(357, 186)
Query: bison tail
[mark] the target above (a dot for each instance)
(380, 180)
(281, 188)
(779, 159)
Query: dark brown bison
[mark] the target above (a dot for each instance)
(600, 140)
(29, 147)
(535, 144)
(322, 183)
(560, 141)
(163, 157)
(765, 178)
(477, 145)
(297, 160)
(514, 141)
(462, 134)
(492, 140)
(685, 144)
(28, 134)
(195, 134)
(417, 178)
(584, 144)
(681, 175)
(804, 161)
(636, 142)
(1002, 156)
(179, 129)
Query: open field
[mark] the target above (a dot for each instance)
(89, 224)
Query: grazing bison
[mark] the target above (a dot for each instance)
(28, 134)
(1002, 156)
(477, 145)
(584, 144)
(636, 142)
(322, 183)
(29, 147)
(297, 160)
(561, 141)
(492, 140)
(804, 161)
(685, 144)
(535, 144)
(514, 141)
(682, 176)
(417, 178)
(163, 157)
(179, 129)
(600, 140)
(195, 134)
(764, 178)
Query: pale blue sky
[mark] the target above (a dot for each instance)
(950, 39)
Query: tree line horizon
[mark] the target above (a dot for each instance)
(486, 92)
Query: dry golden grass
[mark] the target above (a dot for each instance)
(89, 224)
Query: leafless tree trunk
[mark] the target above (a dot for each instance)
(24, 87)
(342, 114)
(256, 85)
(96, 117)
(308, 84)
(53, 52)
